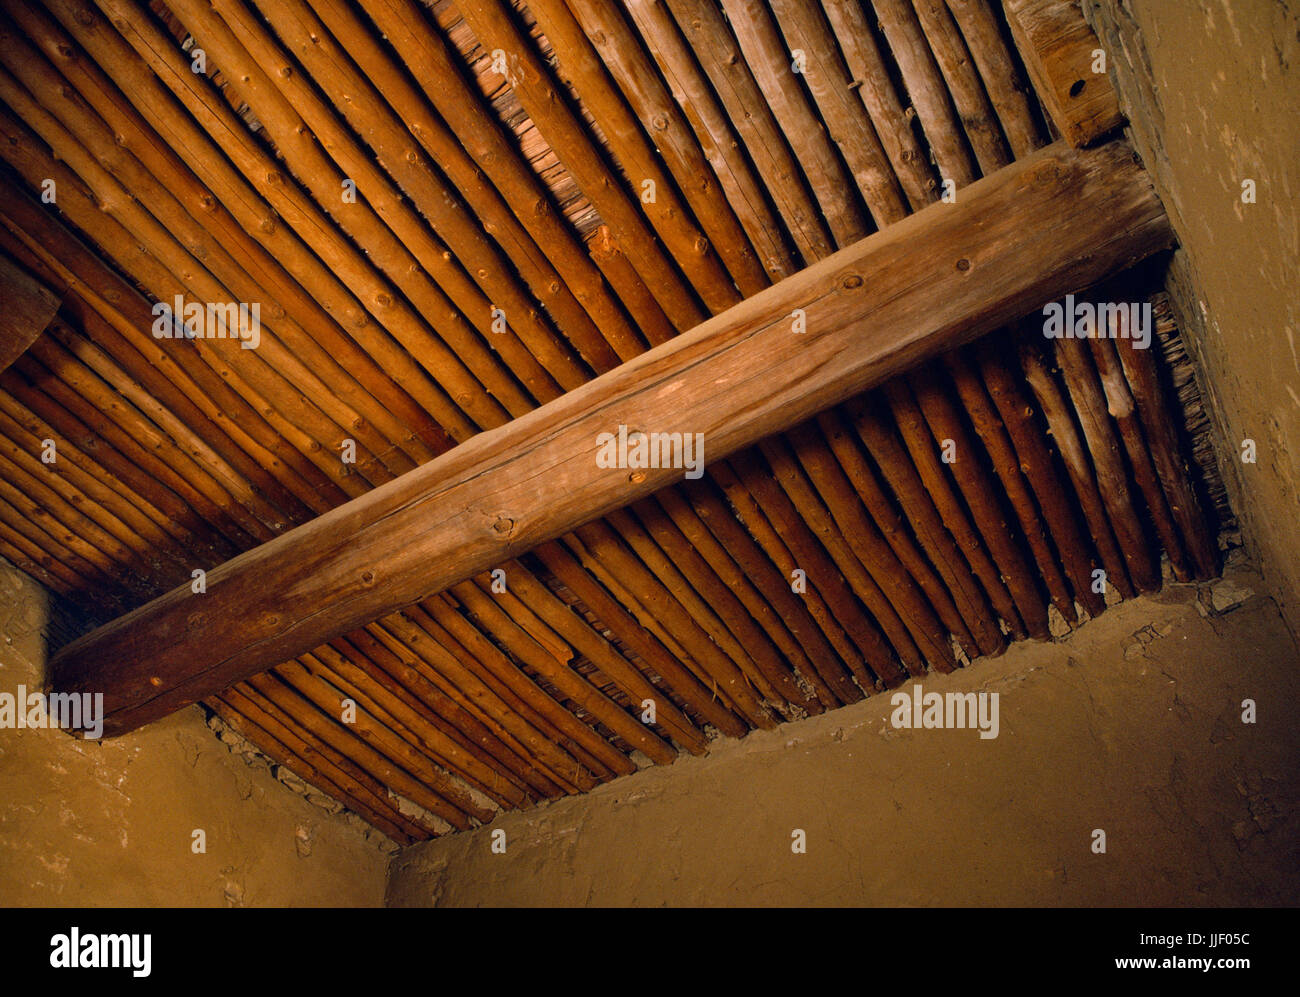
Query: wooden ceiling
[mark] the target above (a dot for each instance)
(639, 166)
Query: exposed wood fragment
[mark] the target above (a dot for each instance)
(29, 307)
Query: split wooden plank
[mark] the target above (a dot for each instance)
(1054, 222)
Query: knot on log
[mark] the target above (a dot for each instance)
(1045, 175)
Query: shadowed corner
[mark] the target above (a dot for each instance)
(38, 622)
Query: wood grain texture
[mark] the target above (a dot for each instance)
(29, 306)
(1054, 222)
(1057, 46)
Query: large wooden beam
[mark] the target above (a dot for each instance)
(1050, 224)
(1059, 51)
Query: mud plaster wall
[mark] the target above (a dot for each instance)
(1212, 92)
(1133, 725)
(107, 824)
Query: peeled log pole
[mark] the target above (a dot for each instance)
(1080, 376)
(1049, 224)
(997, 441)
(1074, 454)
(1035, 461)
(980, 28)
(976, 486)
(1120, 404)
(1162, 438)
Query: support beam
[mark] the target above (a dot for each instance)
(1059, 51)
(1050, 224)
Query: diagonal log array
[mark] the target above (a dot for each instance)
(791, 578)
(941, 277)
